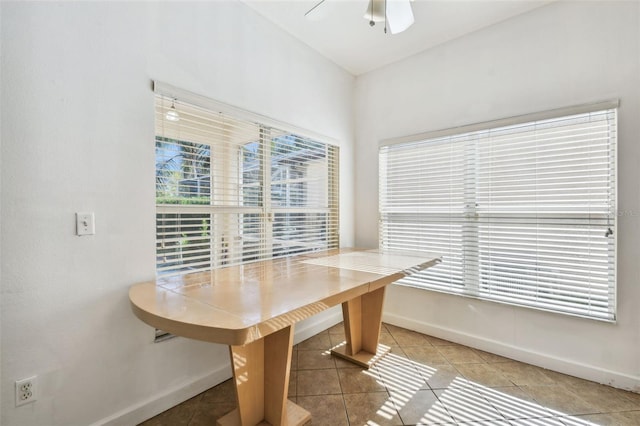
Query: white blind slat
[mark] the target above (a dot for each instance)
(522, 214)
(230, 190)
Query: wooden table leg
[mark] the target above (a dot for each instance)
(261, 375)
(362, 322)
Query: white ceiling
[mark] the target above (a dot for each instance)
(340, 32)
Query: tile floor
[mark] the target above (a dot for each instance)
(425, 381)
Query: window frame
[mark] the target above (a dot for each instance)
(269, 133)
(471, 288)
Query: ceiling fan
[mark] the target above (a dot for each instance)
(397, 15)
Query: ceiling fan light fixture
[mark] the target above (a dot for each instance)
(172, 113)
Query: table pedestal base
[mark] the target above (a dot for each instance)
(261, 368)
(363, 358)
(296, 416)
(362, 321)
(261, 374)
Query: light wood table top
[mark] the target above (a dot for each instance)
(237, 305)
(253, 308)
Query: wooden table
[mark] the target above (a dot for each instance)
(253, 309)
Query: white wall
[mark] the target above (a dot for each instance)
(559, 55)
(77, 135)
(0, 208)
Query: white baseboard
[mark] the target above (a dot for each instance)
(158, 403)
(584, 371)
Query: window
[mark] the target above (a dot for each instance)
(523, 213)
(232, 188)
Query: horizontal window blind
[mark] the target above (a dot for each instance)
(522, 214)
(231, 190)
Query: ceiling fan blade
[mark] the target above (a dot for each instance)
(399, 15)
(317, 12)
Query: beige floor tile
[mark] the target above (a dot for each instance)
(607, 399)
(483, 375)
(491, 358)
(627, 418)
(390, 327)
(420, 407)
(406, 337)
(225, 391)
(441, 376)
(207, 414)
(397, 350)
(564, 379)
(546, 421)
(604, 398)
(326, 410)
(387, 339)
(337, 339)
(337, 329)
(467, 385)
(559, 399)
(316, 359)
(427, 355)
(513, 403)
(435, 341)
(358, 380)
(524, 374)
(154, 421)
(180, 415)
(318, 382)
(319, 341)
(634, 396)
(459, 354)
(465, 404)
(400, 373)
(293, 384)
(294, 360)
(607, 419)
(371, 408)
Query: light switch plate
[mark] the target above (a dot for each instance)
(85, 223)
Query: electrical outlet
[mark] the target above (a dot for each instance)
(26, 390)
